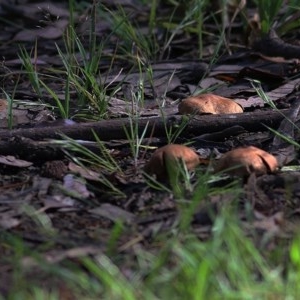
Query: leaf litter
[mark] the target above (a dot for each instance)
(47, 198)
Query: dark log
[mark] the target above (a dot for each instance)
(114, 128)
(273, 45)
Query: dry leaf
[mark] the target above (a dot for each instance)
(244, 161)
(10, 160)
(53, 31)
(172, 152)
(113, 213)
(3, 104)
(208, 104)
(55, 256)
(77, 186)
(8, 222)
(271, 224)
(83, 172)
(19, 116)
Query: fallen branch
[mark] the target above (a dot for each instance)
(114, 128)
(273, 45)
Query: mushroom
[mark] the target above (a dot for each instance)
(158, 163)
(247, 160)
(208, 104)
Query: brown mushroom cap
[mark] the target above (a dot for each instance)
(244, 161)
(208, 104)
(173, 152)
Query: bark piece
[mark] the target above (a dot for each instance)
(54, 169)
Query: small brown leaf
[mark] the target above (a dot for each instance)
(113, 213)
(3, 104)
(10, 160)
(244, 161)
(83, 172)
(173, 152)
(208, 104)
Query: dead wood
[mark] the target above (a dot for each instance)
(114, 129)
(273, 45)
(28, 149)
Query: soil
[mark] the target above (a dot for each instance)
(56, 206)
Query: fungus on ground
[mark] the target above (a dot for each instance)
(173, 153)
(244, 161)
(208, 104)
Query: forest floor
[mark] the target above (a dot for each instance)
(121, 68)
